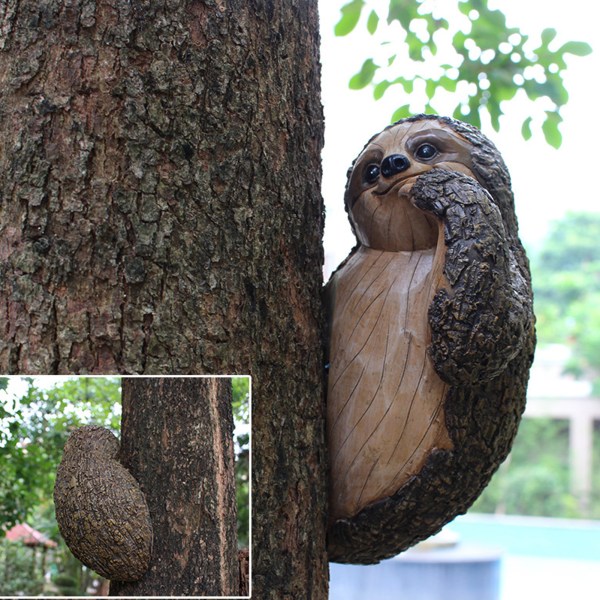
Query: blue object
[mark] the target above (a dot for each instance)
(462, 572)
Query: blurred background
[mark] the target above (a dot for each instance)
(535, 531)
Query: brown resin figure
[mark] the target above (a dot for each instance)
(431, 337)
(100, 509)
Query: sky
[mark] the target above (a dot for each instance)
(546, 182)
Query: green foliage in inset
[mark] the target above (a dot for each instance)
(62, 581)
(35, 423)
(241, 410)
(485, 62)
(67, 584)
(20, 572)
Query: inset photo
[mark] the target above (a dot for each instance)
(128, 486)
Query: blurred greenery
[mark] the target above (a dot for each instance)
(23, 563)
(534, 480)
(464, 48)
(241, 410)
(566, 279)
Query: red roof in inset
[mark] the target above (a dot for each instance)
(29, 536)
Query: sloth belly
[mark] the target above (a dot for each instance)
(385, 402)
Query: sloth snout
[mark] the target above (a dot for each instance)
(393, 164)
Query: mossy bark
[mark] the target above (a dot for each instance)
(178, 444)
(160, 213)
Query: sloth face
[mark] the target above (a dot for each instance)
(378, 194)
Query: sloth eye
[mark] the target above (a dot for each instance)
(371, 173)
(426, 151)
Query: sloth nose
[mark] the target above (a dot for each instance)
(394, 163)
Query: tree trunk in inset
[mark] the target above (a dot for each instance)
(160, 213)
(177, 441)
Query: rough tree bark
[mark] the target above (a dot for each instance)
(185, 468)
(160, 212)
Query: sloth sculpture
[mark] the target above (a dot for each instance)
(431, 337)
(100, 509)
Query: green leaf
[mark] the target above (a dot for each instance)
(548, 35)
(350, 15)
(372, 22)
(495, 113)
(473, 117)
(550, 129)
(447, 83)
(401, 113)
(496, 20)
(403, 12)
(415, 46)
(430, 87)
(458, 42)
(380, 89)
(505, 93)
(526, 129)
(364, 76)
(464, 7)
(457, 114)
(576, 48)
(434, 25)
(554, 89)
(407, 84)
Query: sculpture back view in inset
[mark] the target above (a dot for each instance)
(431, 336)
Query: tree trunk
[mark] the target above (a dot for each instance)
(160, 212)
(177, 441)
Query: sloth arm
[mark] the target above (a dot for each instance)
(481, 321)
